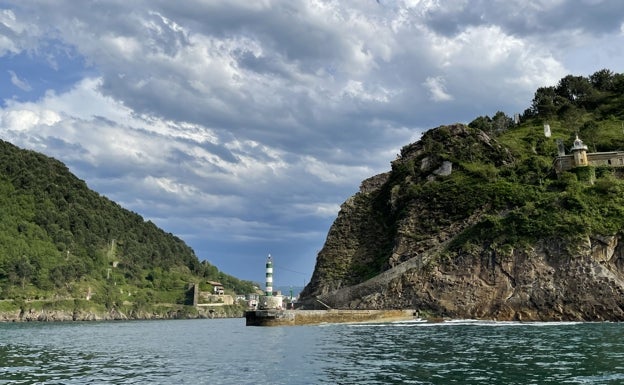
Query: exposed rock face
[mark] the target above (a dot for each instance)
(550, 282)
(384, 251)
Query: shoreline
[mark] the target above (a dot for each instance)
(92, 315)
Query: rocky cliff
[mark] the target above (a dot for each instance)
(468, 226)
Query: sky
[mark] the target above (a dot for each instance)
(242, 126)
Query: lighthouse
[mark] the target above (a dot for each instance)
(268, 291)
(268, 301)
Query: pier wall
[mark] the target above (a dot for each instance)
(312, 317)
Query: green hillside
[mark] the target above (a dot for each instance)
(59, 240)
(527, 200)
(508, 191)
(515, 186)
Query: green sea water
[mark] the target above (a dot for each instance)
(228, 352)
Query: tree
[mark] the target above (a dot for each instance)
(501, 122)
(483, 123)
(543, 103)
(576, 89)
(23, 270)
(603, 80)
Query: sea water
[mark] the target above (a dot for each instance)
(228, 352)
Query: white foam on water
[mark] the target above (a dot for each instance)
(419, 322)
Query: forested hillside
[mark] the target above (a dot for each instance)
(61, 240)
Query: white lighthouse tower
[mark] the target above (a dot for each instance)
(268, 291)
(268, 300)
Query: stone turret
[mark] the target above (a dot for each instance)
(579, 150)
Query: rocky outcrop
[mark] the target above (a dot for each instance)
(552, 281)
(372, 232)
(388, 249)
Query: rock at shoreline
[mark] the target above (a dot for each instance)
(32, 315)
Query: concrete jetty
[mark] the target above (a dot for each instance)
(274, 317)
(270, 311)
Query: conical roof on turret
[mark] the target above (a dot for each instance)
(578, 145)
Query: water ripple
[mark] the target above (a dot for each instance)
(227, 352)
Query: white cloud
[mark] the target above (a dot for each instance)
(319, 209)
(337, 174)
(19, 83)
(255, 120)
(10, 31)
(437, 87)
(26, 120)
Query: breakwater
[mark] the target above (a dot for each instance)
(311, 317)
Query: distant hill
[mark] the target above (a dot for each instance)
(59, 240)
(474, 221)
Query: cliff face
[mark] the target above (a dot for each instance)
(444, 233)
(547, 282)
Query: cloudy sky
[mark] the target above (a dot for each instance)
(241, 126)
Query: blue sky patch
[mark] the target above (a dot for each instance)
(27, 76)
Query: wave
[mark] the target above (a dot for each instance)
(419, 322)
